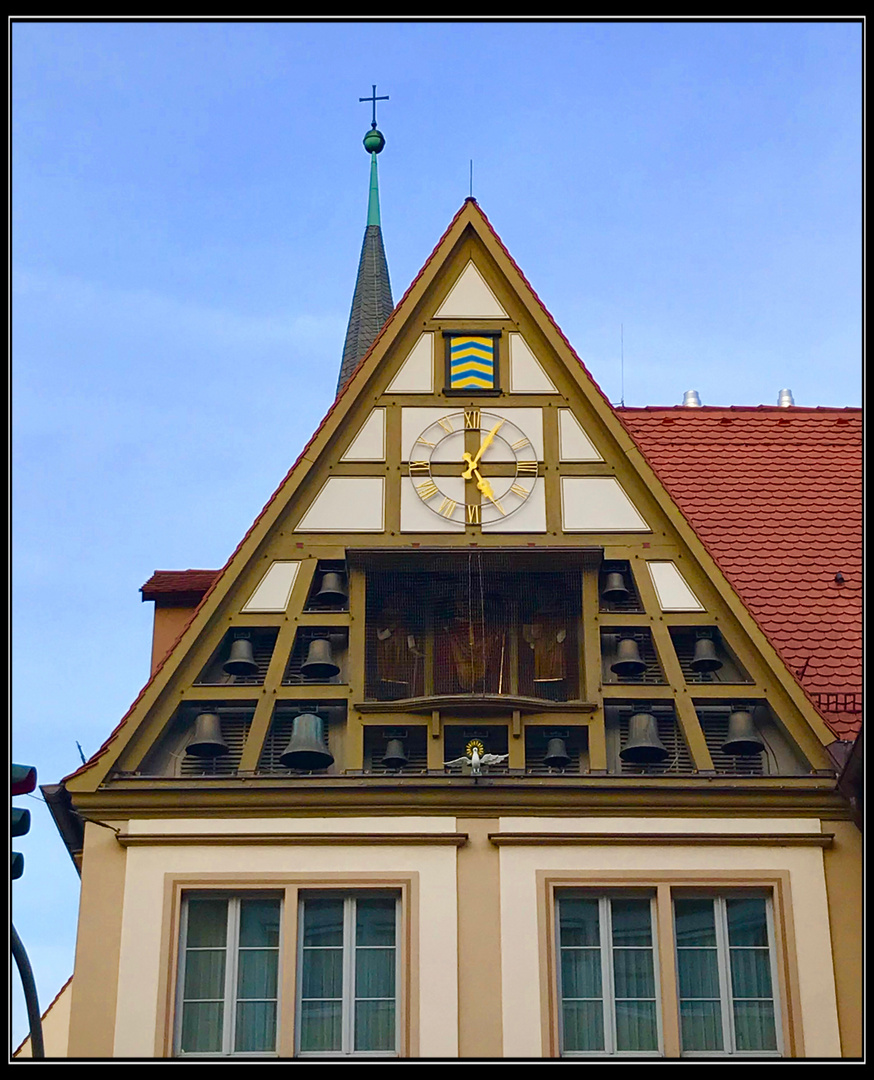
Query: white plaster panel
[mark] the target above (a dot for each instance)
(529, 421)
(526, 374)
(369, 443)
(742, 826)
(529, 518)
(274, 589)
(671, 589)
(470, 298)
(347, 504)
(574, 444)
(415, 422)
(141, 942)
(597, 504)
(416, 375)
(520, 962)
(415, 515)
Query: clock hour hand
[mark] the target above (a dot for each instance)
(486, 443)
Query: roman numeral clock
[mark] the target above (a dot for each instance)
(492, 455)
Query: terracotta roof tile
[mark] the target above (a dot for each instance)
(776, 496)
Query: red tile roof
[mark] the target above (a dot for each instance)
(776, 496)
(167, 584)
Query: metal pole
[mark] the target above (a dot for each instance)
(37, 1049)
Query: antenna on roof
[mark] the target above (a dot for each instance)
(81, 754)
(471, 177)
(622, 365)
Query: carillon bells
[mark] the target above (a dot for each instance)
(628, 660)
(743, 738)
(319, 663)
(643, 745)
(705, 657)
(306, 748)
(333, 590)
(207, 741)
(241, 659)
(614, 588)
(556, 756)
(395, 756)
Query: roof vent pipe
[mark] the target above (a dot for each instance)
(691, 399)
(785, 398)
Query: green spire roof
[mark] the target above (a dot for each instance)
(372, 301)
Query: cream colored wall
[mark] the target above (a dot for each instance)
(55, 1027)
(521, 971)
(141, 943)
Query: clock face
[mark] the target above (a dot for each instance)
(486, 456)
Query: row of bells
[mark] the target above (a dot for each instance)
(629, 661)
(644, 747)
(319, 663)
(306, 748)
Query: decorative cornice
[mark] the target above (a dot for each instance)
(296, 839)
(721, 839)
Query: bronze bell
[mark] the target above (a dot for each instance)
(319, 663)
(306, 748)
(395, 757)
(333, 590)
(705, 658)
(743, 738)
(241, 659)
(643, 745)
(207, 741)
(614, 588)
(556, 754)
(628, 660)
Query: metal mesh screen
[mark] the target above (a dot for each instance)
(473, 631)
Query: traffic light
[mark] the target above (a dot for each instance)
(23, 781)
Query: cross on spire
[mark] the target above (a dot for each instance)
(374, 99)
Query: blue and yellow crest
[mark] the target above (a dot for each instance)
(472, 362)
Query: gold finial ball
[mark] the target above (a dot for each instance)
(374, 141)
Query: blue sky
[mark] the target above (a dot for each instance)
(188, 204)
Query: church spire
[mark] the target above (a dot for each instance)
(371, 303)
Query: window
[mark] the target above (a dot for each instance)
(228, 975)
(607, 974)
(348, 975)
(726, 975)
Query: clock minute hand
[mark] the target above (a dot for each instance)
(486, 443)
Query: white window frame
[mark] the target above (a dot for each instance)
(608, 992)
(350, 899)
(232, 954)
(726, 996)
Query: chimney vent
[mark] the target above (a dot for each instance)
(785, 398)
(691, 399)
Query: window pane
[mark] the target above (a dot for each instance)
(375, 921)
(374, 1025)
(747, 924)
(375, 973)
(632, 922)
(320, 1025)
(256, 973)
(633, 973)
(694, 922)
(578, 921)
(583, 1027)
(207, 923)
(750, 973)
(698, 972)
(256, 1026)
(322, 973)
(754, 1027)
(700, 1025)
(259, 923)
(202, 1027)
(636, 1027)
(323, 922)
(204, 974)
(581, 973)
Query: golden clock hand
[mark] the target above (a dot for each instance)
(486, 443)
(486, 488)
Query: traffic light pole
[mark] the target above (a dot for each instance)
(37, 1049)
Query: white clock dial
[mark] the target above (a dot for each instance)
(494, 457)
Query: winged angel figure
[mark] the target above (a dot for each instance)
(477, 760)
